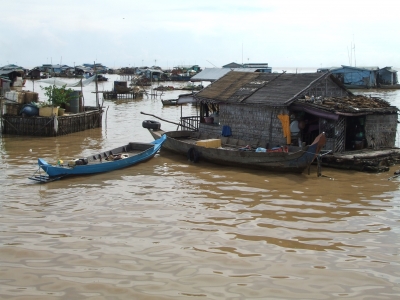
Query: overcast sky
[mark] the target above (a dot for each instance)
(298, 33)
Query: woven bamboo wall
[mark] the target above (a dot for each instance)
(325, 88)
(380, 130)
(257, 125)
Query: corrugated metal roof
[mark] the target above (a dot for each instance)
(5, 72)
(347, 67)
(256, 65)
(186, 98)
(246, 69)
(361, 68)
(270, 89)
(210, 74)
(389, 69)
(11, 68)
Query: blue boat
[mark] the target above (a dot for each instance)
(118, 158)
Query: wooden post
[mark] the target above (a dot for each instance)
(319, 166)
(97, 94)
(83, 98)
(1, 111)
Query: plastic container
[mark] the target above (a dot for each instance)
(29, 110)
(74, 102)
(48, 111)
(61, 111)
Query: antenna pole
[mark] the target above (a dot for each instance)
(351, 54)
(354, 47)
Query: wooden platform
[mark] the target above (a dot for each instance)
(116, 96)
(365, 160)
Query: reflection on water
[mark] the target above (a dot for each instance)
(171, 229)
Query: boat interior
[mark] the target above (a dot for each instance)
(122, 152)
(227, 143)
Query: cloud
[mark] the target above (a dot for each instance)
(286, 33)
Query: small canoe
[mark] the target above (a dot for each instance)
(169, 102)
(118, 158)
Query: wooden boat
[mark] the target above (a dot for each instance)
(118, 158)
(169, 102)
(233, 152)
(101, 78)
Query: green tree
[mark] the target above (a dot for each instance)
(57, 96)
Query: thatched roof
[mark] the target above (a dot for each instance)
(349, 105)
(271, 89)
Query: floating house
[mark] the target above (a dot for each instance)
(232, 65)
(153, 74)
(186, 68)
(4, 86)
(212, 74)
(15, 74)
(84, 71)
(184, 72)
(34, 73)
(364, 77)
(56, 70)
(59, 70)
(98, 66)
(254, 67)
(53, 70)
(387, 77)
(280, 109)
(260, 67)
(122, 91)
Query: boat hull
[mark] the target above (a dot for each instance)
(98, 163)
(173, 102)
(291, 162)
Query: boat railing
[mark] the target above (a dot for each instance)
(190, 123)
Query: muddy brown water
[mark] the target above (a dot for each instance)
(171, 229)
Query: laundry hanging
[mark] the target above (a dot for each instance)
(285, 120)
(226, 130)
